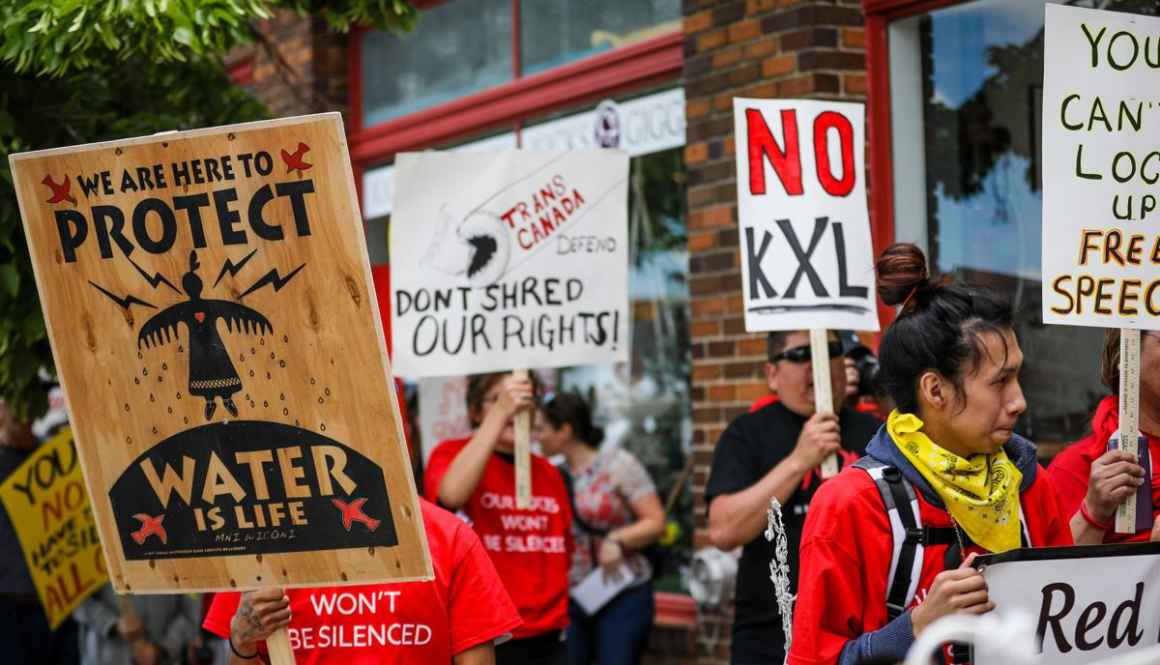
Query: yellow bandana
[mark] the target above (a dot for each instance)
(981, 492)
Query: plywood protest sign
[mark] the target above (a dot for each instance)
(509, 260)
(49, 508)
(1101, 227)
(1088, 602)
(208, 302)
(806, 250)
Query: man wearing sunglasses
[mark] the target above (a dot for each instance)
(775, 452)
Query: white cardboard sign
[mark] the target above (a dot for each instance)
(1101, 201)
(806, 252)
(1087, 602)
(508, 260)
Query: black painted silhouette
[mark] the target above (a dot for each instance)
(211, 372)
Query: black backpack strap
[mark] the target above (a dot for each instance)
(906, 530)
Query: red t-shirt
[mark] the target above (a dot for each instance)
(403, 623)
(531, 549)
(1071, 469)
(845, 559)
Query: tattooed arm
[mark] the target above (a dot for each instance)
(259, 614)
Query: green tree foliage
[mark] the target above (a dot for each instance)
(78, 71)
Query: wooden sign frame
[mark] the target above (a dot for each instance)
(210, 305)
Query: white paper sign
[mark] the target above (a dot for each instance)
(508, 260)
(598, 587)
(1101, 165)
(1088, 602)
(806, 253)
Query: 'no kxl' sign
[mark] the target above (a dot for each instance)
(801, 202)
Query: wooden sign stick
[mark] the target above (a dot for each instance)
(823, 392)
(523, 452)
(278, 645)
(1129, 416)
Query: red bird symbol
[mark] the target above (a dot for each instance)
(59, 192)
(352, 512)
(150, 526)
(295, 161)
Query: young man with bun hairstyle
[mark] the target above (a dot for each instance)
(1092, 480)
(951, 363)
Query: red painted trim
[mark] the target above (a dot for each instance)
(647, 62)
(354, 80)
(896, 9)
(880, 139)
(674, 610)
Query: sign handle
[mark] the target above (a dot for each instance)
(523, 451)
(278, 646)
(1129, 416)
(823, 392)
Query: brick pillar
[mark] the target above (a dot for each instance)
(739, 48)
(297, 65)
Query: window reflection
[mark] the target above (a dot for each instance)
(645, 405)
(456, 49)
(978, 68)
(554, 32)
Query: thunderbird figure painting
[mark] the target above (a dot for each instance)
(211, 372)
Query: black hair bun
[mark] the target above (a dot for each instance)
(901, 272)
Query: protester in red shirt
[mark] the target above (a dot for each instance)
(1092, 481)
(454, 618)
(950, 362)
(531, 548)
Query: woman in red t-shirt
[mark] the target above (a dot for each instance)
(531, 548)
(1092, 480)
(455, 618)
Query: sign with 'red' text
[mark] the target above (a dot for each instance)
(1088, 602)
(49, 509)
(208, 300)
(1101, 163)
(509, 260)
(806, 252)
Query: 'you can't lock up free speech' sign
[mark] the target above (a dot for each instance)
(1101, 165)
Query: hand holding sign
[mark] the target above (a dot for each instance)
(960, 590)
(1115, 475)
(819, 440)
(260, 614)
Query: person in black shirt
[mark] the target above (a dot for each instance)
(775, 452)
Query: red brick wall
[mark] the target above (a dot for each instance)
(743, 48)
(297, 66)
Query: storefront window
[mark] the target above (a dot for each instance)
(966, 97)
(644, 405)
(554, 32)
(456, 49)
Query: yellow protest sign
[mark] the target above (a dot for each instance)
(46, 500)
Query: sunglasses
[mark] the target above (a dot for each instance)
(801, 354)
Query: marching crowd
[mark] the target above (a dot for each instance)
(946, 463)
